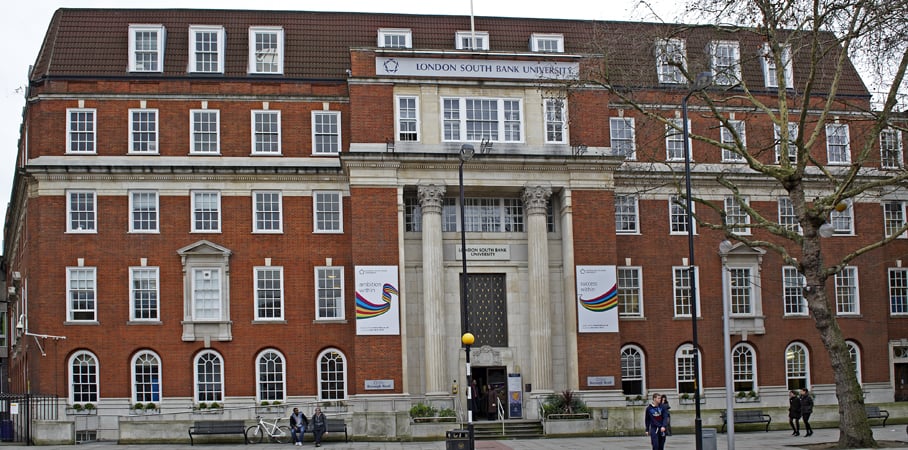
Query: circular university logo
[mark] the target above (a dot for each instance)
(391, 66)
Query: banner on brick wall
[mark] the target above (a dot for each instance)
(377, 300)
(597, 299)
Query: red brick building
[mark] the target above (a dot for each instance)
(238, 207)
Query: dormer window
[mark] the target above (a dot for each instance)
(770, 68)
(547, 43)
(725, 62)
(671, 58)
(146, 48)
(266, 50)
(471, 40)
(206, 49)
(395, 38)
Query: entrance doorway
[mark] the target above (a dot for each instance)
(901, 382)
(493, 391)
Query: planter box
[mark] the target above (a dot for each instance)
(434, 419)
(747, 399)
(569, 427)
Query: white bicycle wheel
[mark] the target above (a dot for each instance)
(254, 434)
(282, 434)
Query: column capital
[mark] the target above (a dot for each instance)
(431, 197)
(535, 198)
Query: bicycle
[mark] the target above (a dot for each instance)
(277, 433)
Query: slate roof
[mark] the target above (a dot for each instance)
(93, 43)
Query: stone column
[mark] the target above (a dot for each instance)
(430, 200)
(535, 200)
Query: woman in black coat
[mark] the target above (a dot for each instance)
(794, 413)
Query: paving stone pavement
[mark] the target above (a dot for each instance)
(743, 441)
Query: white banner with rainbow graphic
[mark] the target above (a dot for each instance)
(377, 300)
(597, 299)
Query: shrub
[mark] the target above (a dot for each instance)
(138, 407)
(214, 405)
(150, 406)
(203, 405)
(422, 410)
(89, 406)
(565, 402)
(447, 412)
(77, 407)
(265, 403)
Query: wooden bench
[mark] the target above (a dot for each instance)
(874, 412)
(747, 416)
(332, 426)
(218, 427)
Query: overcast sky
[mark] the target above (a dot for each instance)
(24, 22)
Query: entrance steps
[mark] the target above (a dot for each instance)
(512, 429)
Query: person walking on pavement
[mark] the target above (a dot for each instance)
(655, 419)
(794, 413)
(668, 417)
(298, 424)
(319, 426)
(806, 411)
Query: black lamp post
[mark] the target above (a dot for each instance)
(467, 338)
(703, 80)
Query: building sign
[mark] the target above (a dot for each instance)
(515, 396)
(377, 300)
(600, 381)
(379, 385)
(597, 299)
(476, 68)
(487, 252)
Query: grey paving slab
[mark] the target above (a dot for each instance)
(743, 441)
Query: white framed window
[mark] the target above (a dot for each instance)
(407, 118)
(741, 291)
(671, 58)
(735, 214)
(266, 132)
(207, 294)
(395, 38)
(725, 59)
(205, 129)
(206, 49)
(633, 371)
(267, 212)
(838, 147)
(206, 212)
(271, 373)
(843, 221)
(266, 50)
(797, 366)
(329, 293)
(674, 140)
(555, 121)
(891, 149)
(209, 377)
(855, 353)
(898, 291)
(794, 302)
(678, 219)
(791, 144)
(146, 48)
(143, 131)
(332, 375)
(744, 368)
(326, 132)
(143, 211)
(627, 212)
(146, 377)
(81, 293)
(144, 289)
(329, 211)
(547, 42)
(475, 119)
(770, 68)
(894, 218)
(630, 291)
(84, 378)
(269, 293)
(847, 300)
(681, 281)
(81, 130)
(486, 215)
(686, 369)
(621, 134)
(82, 211)
(727, 136)
(471, 40)
(787, 216)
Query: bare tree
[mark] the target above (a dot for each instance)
(806, 49)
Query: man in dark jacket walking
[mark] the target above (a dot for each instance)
(794, 413)
(806, 410)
